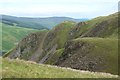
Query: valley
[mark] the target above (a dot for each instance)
(90, 46)
(11, 35)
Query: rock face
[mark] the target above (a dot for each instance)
(39, 46)
(28, 46)
(96, 31)
(81, 45)
(103, 29)
(85, 55)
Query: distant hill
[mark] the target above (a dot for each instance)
(90, 45)
(36, 23)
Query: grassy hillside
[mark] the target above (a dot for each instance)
(48, 42)
(104, 26)
(11, 35)
(58, 35)
(93, 54)
(55, 40)
(22, 69)
(32, 43)
(89, 45)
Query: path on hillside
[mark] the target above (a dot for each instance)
(51, 52)
(38, 53)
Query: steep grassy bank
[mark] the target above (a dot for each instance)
(93, 54)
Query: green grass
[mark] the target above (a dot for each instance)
(11, 35)
(111, 29)
(22, 69)
(63, 32)
(59, 36)
(62, 35)
(55, 57)
(106, 48)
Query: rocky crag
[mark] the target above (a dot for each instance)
(90, 45)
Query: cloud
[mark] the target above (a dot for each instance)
(54, 7)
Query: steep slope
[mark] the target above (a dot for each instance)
(86, 45)
(56, 39)
(11, 35)
(23, 69)
(93, 54)
(106, 26)
(28, 46)
(49, 42)
(36, 23)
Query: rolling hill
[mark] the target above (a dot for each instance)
(90, 45)
(36, 23)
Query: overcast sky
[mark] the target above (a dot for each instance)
(50, 8)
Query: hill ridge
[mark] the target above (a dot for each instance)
(93, 43)
(36, 23)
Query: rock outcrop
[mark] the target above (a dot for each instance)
(81, 45)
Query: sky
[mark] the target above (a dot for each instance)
(58, 8)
